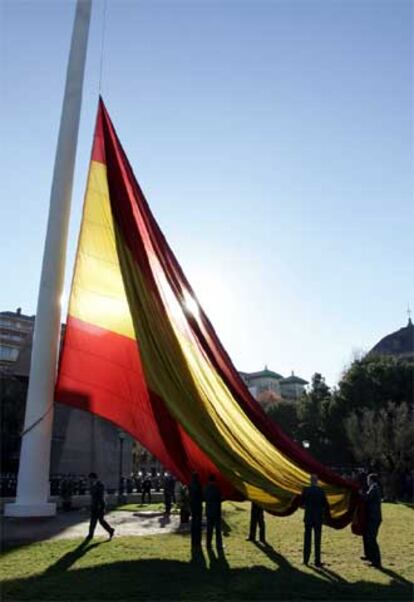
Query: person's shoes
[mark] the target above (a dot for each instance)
(376, 565)
(250, 539)
(305, 562)
(111, 534)
(264, 542)
(319, 564)
(364, 558)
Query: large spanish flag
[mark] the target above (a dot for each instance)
(140, 352)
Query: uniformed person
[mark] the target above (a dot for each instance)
(97, 491)
(316, 505)
(373, 521)
(257, 520)
(212, 497)
(196, 507)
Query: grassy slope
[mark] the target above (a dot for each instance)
(159, 567)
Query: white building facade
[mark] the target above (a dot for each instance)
(273, 383)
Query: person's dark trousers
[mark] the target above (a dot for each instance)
(214, 524)
(167, 501)
(257, 519)
(98, 515)
(317, 529)
(196, 529)
(372, 548)
(144, 494)
(365, 544)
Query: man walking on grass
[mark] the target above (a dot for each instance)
(97, 491)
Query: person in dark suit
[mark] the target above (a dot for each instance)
(97, 491)
(257, 520)
(212, 497)
(373, 521)
(168, 493)
(196, 507)
(146, 490)
(316, 505)
(363, 488)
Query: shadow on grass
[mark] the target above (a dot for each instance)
(329, 574)
(324, 571)
(218, 561)
(201, 579)
(225, 528)
(164, 520)
(395, 576)
(24, 531)
(64, 563)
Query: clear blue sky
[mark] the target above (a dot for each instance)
(273, 140)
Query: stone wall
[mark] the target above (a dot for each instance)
(84, 443)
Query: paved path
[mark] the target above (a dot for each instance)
(74, 524)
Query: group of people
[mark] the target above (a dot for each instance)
(212, 497)
(316, 510)
(313, 500)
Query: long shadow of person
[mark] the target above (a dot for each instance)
(225, 528)
(64, 563)
(322, 571)
(198, 559)
(165, 519)
(274, 556)
(395, 576)
(328, 573)
(284, 564)
(217, 563)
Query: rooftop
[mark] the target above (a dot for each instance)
(16, 314)
(399, 343)
(294, 380)
(266, 373)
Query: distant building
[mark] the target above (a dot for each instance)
(397, 344)
(15, 328)
(266, 382)
(293, 386)
(81, 441)
(262, 381)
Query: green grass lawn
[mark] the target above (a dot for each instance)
(160, 567)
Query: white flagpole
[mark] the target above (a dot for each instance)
(33, 477)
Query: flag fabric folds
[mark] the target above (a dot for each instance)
(140, 352)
